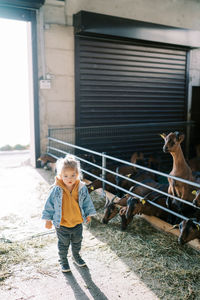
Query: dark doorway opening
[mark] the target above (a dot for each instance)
(195, 117)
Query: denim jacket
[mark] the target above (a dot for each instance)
(53, 207)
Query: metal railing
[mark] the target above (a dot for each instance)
(52, 150)
(122, 140)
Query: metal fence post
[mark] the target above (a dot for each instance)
(103, 171)
(49, 135)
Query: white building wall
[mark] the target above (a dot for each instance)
(57, 105)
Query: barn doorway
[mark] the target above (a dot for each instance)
(21, 81)
(195, 117)
(14, 92)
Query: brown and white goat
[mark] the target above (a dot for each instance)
(113, 207)
(97, 183)
(152, 162)
(188, 231)
(136, 206)
(180, 169)
(125, 183)
(48, 162)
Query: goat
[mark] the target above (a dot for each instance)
(48, 162)
(188, 231)
(139, 176)
(112, 208)
(122, 170)
(142, 190)
(97, 183)
(153, 162)
(138, 158)
(129, 171)
(87, 167)
(45, 158)
(180, 169)
(141, 206)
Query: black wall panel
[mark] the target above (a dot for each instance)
(120, 83)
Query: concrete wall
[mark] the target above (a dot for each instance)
(57, 104)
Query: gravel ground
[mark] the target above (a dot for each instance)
(38, 276)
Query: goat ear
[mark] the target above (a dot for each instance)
(163, 135)
(134, 157)
(107, 201)
(194, 192)
(180, 136)
(122, 211)
(141, 155)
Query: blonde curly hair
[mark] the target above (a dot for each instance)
(68, 162)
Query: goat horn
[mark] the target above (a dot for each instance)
(197, 225)
(107, 200)
(175, 226)
(163, 135)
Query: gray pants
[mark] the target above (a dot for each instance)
(67, 236)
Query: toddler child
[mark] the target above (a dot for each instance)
(68, 206)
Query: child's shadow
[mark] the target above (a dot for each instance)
(95, 292)
(79, 294)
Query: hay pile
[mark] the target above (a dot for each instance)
(170, 270)
(13, 254)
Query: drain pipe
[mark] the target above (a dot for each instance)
(42, 46)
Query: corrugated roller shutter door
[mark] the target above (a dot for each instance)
(122, 83)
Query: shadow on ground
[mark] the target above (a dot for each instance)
(94, 290)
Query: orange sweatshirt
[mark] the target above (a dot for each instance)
(71, 214)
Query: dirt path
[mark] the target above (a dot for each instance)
(23, 193)
(105, 278)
